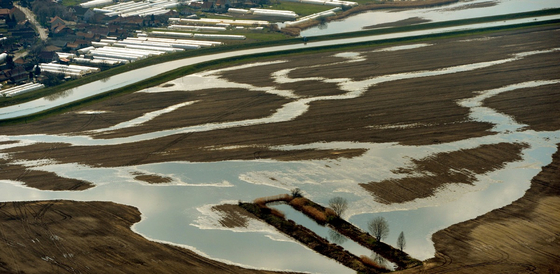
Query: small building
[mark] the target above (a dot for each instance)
(46, 56)
(61, 30)
(55, 21)
(16, 75)
(5, 14)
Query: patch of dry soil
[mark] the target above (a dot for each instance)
(89, 237)
(427, 104)
(436, 171)
(151, 178)
(523, 237)
(40, 179)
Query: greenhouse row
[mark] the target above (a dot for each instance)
(131, 8)
(326, 3)
(67, 70)
(222, 22)
(21, 89)
(326, 13)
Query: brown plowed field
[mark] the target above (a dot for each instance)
(89, 237)
(522, 237)
(457, 167)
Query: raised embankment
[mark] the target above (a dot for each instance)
(326, 216)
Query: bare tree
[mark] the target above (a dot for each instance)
(339, 205)
(401, 241)
(296, 193)
(379, 228)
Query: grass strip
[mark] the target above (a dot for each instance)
(310, 239)
(401, 258)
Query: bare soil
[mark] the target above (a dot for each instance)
(151, 178)
(523, 237)
(429, 103)
(519, 238)
(538, 107)
(429, 174)
(89, 237)
(40, 179)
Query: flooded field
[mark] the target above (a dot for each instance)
(331, 124)
(459, 10)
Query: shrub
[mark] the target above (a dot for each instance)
(298, 203)
(330, 213)
(369, 262)
(314, 213)
(296, 193)
(277, 198)
(338, 205)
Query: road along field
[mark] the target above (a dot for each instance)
(390, 128)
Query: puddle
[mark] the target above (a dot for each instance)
(323, 231)
(405, 47)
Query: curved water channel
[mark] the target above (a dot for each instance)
(456, 11)
(133, 76)
(181, 212)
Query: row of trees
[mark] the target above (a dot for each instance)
(378, 227)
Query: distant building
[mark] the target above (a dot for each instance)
(47, 56)
(56, 21)
(15, 75)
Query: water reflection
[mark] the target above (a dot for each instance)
(382, 261)
(60, 95)
(184, 204)
(336, 237)
(136, 75)
(459, 10)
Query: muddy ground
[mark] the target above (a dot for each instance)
(457, 167)
(411, 112)
(523, 237)
(89, 237)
